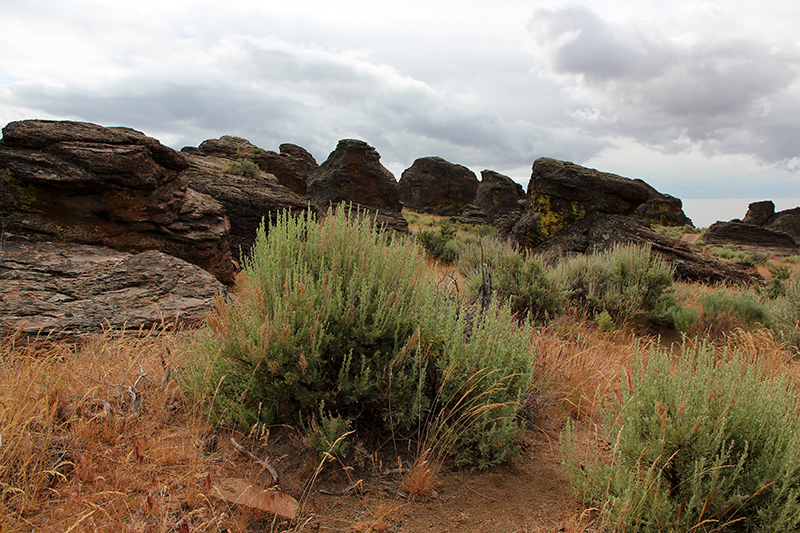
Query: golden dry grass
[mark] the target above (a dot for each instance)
(99, 437)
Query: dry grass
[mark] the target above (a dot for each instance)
(98, 437)
(579, 367)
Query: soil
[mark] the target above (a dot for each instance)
(529, 494)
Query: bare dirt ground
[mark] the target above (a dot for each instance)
(529, 494)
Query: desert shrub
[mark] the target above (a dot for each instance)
(785, 313)
(742, 306)
(242, 168)
(741, 257)
(442, 244)
(326, 434)
(338, 312)
(705, 444)
(627, 282)
(676, 232)
(517, 277)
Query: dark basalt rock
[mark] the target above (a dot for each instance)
(353, 174)
(498, 195)
(435, 186)
(759, 213)
(58, 290)
(116, 187)
(292, 167)
(247, 200)
(561, 193)
(739, 233)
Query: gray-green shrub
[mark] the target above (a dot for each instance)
(518, 278)
(627, 282)
(705, 444)
(742, 306)
(785, 313)
(336, 311)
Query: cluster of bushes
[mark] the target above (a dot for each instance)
(340, 321)
(623, 285)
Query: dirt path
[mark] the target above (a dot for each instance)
(531, 494)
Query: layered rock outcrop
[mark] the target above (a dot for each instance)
(749, 235)
(115, 187)
(763, 214)
(354, 174)
(435, 186)
(561, 193)
(248, 199)
(57, 290)
(292, 166)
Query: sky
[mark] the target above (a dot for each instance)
(700, 100)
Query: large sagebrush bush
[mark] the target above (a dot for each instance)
(337, 313)
(705, 444)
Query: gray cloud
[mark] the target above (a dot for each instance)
(271, 92)
(722, 95)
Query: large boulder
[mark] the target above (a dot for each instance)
(787, 221)
(292, 166)
(436, 186)
(598, 232)
(759, 213)
(67, 290)
(116, 187)
(247, 199)
(354, 174)
(561, 193)
(749, 235)
(498, 195)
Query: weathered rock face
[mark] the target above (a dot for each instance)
(759, 213)
(663, 210)
(787, 221)
(436, 186)
(600, 231)
(498, 195)
(116, 187)
(739, 233)
(562, 193)
(353, 173)
(247, 200)
(291, 167)
(67, 290)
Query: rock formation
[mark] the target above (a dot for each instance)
(597, 232)
(435, 186)
(763, 214)
(562, 193)
(116, 187)
(749, 235)
(353, 173)
(65, 290)
(292, 167)
(247, 199)
(498, 195)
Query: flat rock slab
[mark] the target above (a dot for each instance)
(69, 290)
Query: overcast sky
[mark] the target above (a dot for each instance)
(701, 100)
